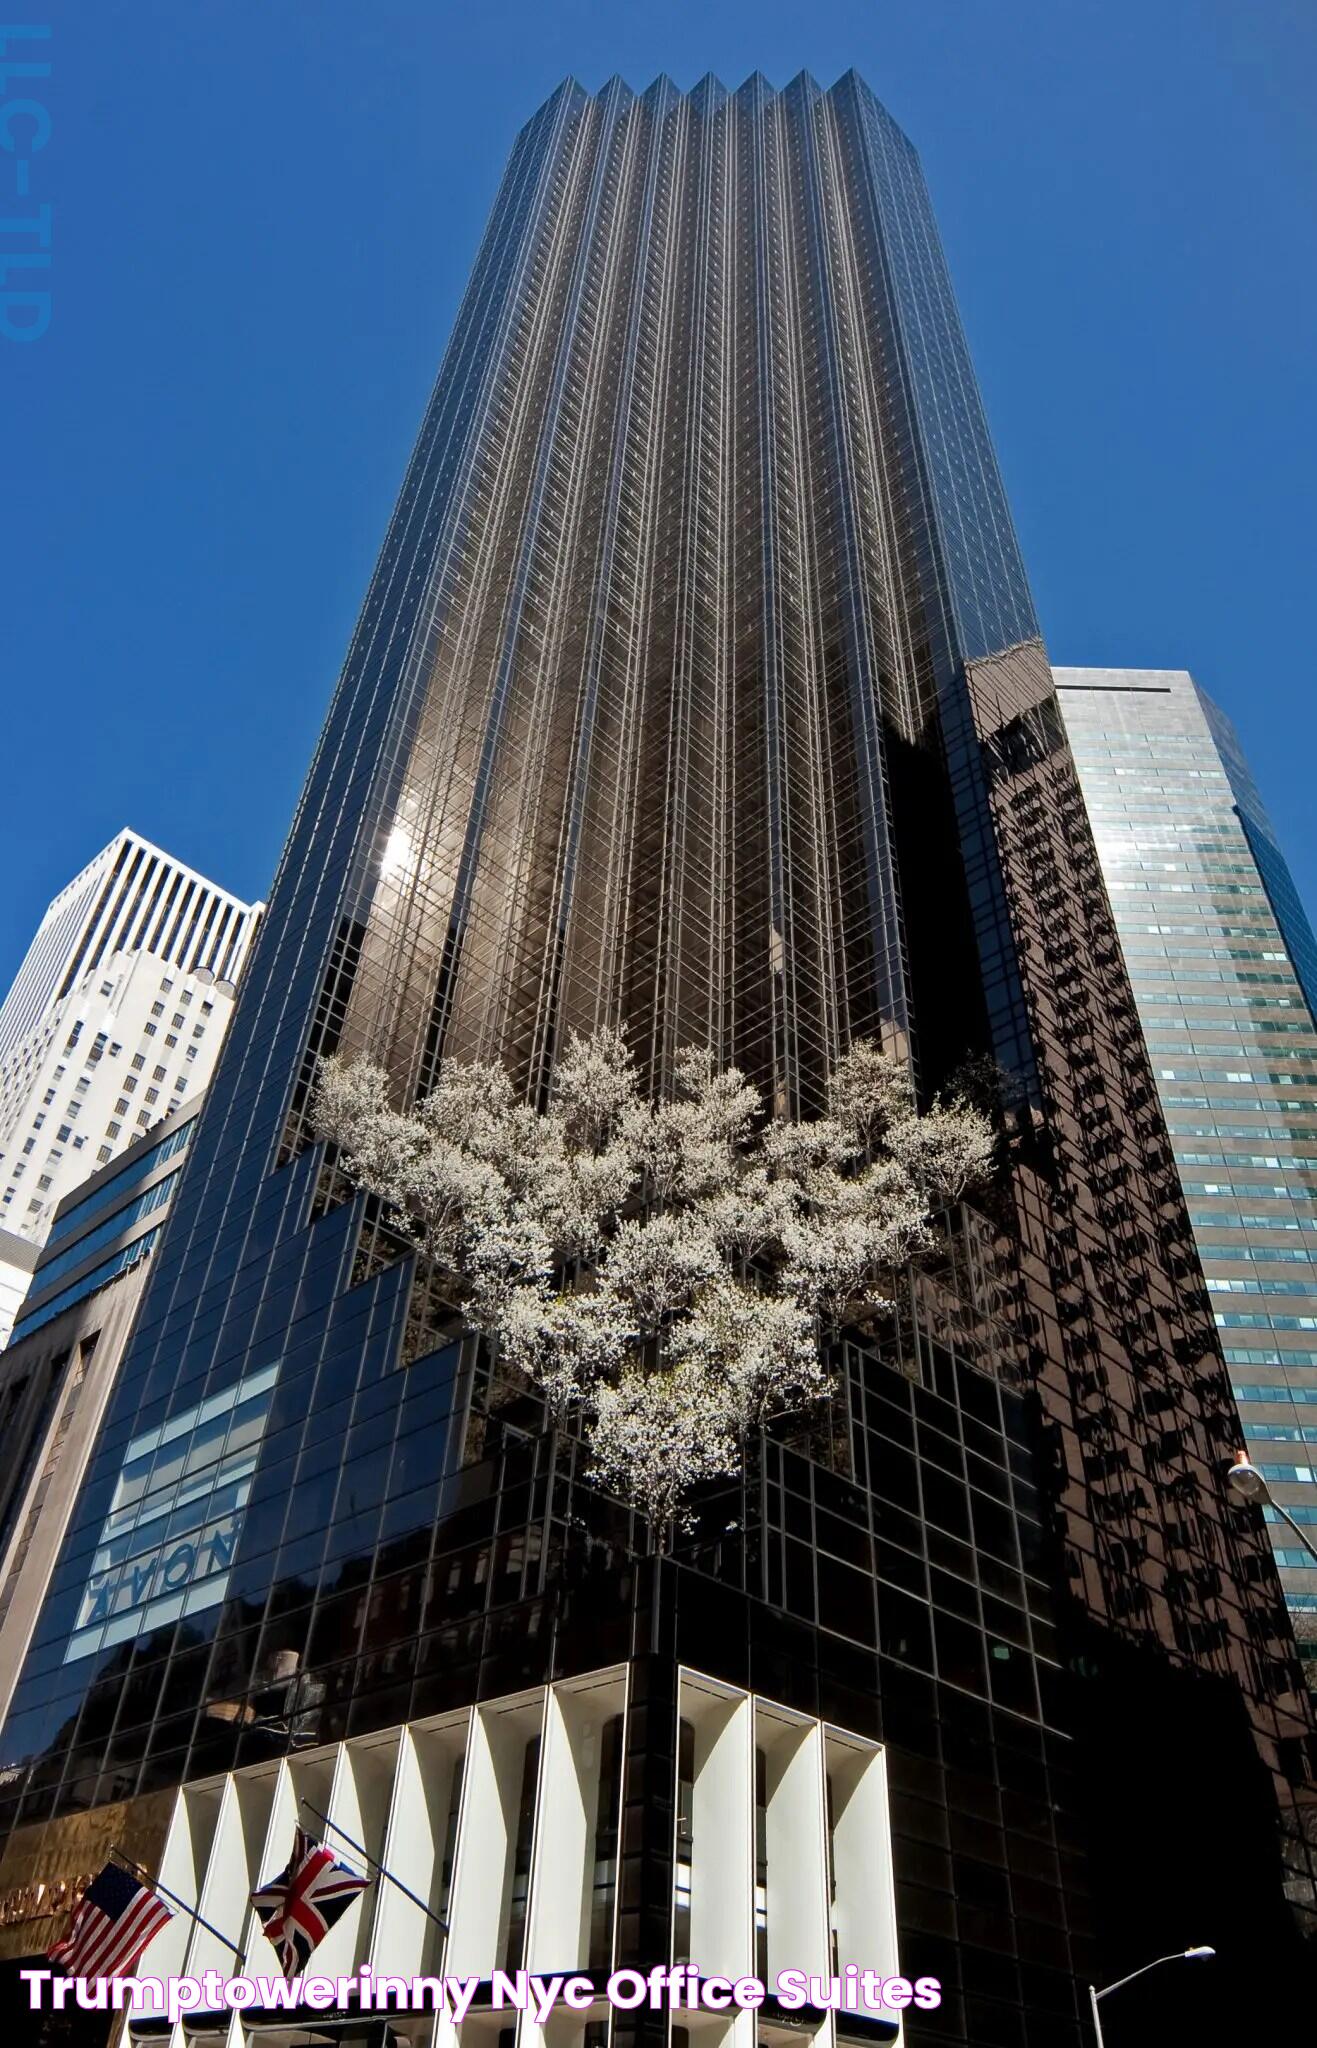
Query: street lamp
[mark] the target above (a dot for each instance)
(1181, 1955)
(1248, 1485)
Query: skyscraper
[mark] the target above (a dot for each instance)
(698, 689)
(1224, 968)
(114, 1018)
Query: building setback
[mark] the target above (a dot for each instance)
(1224, 969)
(113, 1020)
(698, 690)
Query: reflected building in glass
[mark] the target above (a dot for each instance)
(58, 1369)
(698, 690)
(1224, 969)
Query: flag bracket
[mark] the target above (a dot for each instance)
(376, 1865)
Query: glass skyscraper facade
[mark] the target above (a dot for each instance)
(1221, 957)
(698, 690)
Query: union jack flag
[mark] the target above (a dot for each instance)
(112, 1923)
(298, 1908)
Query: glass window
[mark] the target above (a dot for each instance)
(114, 1226)
(113, 1190)
(90, 1283)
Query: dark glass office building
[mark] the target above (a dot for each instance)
(698, 689)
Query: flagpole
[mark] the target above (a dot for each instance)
(163, 1889)
(406, 1890)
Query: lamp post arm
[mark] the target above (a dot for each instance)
(1290, 1522)
(1177, 1955)
(1121, 1982)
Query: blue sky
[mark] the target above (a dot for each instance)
(263, 215)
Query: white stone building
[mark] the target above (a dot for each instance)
(114, 1019)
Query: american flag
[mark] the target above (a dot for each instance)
(298, 1908)
(114, 1920)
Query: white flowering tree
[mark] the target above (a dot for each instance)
(668, 1270)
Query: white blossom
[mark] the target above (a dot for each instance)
(751, 1217)
(669, 1271)
(946, 1152)
(796, 1150)
(570, 1345)
(658, 1434)
(594, 1086)
(660, 1263)
(470, 1106)
(868, 1091)
(758, 1351)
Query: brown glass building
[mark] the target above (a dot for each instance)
(699, 689)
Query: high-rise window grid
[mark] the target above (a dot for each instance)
(1170, 800)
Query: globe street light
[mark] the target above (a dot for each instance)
(1247, 1484)
(1181, 1955)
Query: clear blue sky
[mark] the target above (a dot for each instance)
(263, 215)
